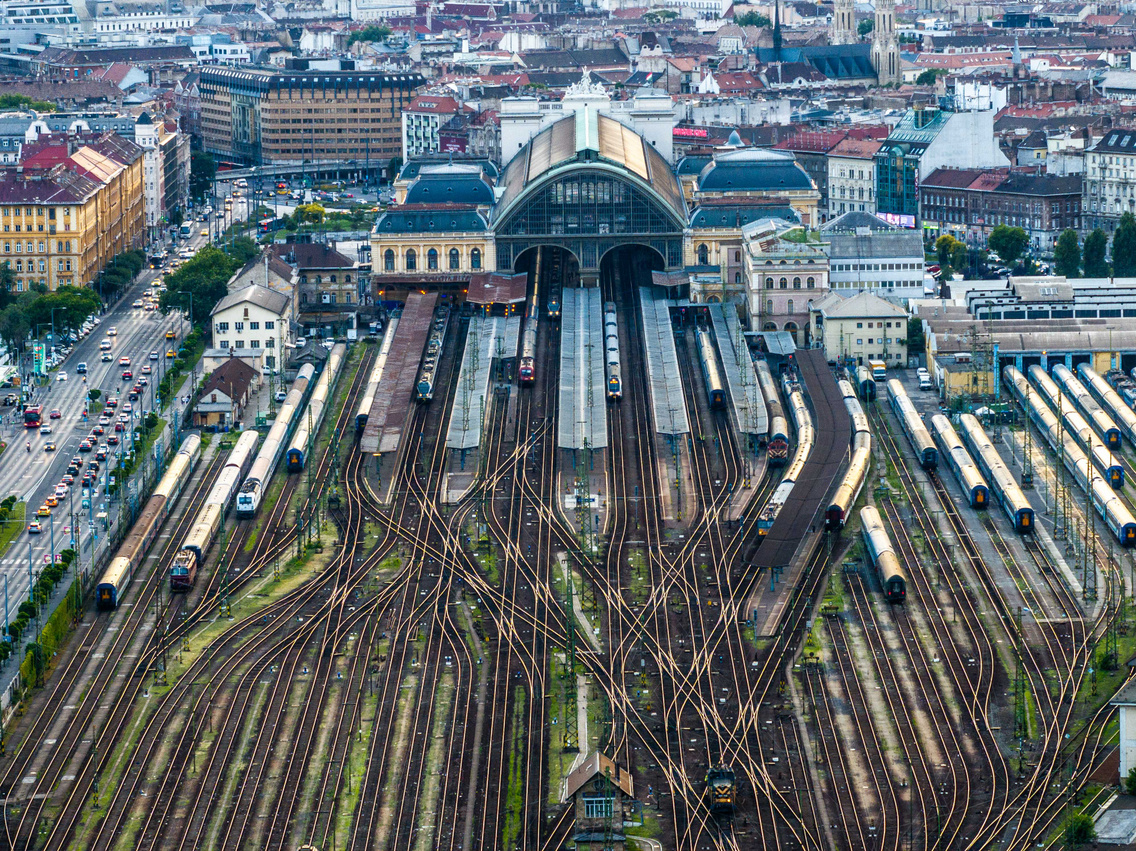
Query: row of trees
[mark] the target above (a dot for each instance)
(199, 284)
(22, 314)
(1073, 260)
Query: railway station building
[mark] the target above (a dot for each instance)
(591, 185)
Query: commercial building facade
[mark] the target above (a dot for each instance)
(254, 116)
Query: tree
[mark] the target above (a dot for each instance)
(752, 19)
(1096, 246)
(1079, 829)
(865, 26)
(661, 15)
(1009, 243)
(1067, 254)
(308, 214)
(7, 284)
(928, 77)
(202, 282)
(374, 32)
(14, 328)
(202, 170)
(1124, 247)
(18, 101)
(394, 167)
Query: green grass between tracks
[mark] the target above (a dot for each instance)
(435, 762)
(515, 797)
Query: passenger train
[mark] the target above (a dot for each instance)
(1122, 415)
(998, 476)
(805, 439)
(849, 489)
(526, 367)
(865, 383)
(375, 377)
(715, 389)
(1078, 428)
(248, 500)
(1100, 420)
(961, 464)
(893, 577)
(203, 532)
(913, 425)
(120, 572)
(778, 449)
(434, 343)
(611, 354)
(1107, 503)
(308, 426)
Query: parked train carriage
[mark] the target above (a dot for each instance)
(851, 484)
(264, 465)
(1078, 428)
(805, 439)
(374, 379)
(893, 578)
(998, 476)
(434, 343)
(715, 389)
(120, 572)
(1121, 414)
(961, 464)
(611, 359)
(777, 450)
(1103, 424)
(865, 383)
(1111, 508)
(311, 419)
(913, 425)
(526, 367)
(183, 572)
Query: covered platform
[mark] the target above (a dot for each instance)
(663, 376)
(792, 540)
(583, 384)
(749, 404)
(391, 408)
(496, 291)
(489, 338)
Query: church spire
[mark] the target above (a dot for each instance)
(777, 30)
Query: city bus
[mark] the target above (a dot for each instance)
(33, 416)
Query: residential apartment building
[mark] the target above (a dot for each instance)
(422, 121)
(253, 323)
(924, 140)
(968, 203)
(258, 116)
(852, 176)
(69, 208)
(165, 168)
(860, 328)
(1110, 179)
(329, 288)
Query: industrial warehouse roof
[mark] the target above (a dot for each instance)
(753, 170)
(587, 137)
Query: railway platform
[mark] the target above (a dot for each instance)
(748, 403)
(489, 341)
(799, 528)
(663, 375)
(583, 385)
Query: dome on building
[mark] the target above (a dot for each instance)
(453, 184)
(753, 170)
(735, 141)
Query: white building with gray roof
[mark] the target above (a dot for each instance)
(866, 254)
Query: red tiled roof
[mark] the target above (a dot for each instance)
(812, 141)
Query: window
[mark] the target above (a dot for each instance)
(254, 326)
(411, 260)
(703, 255)
(239, 326)
(224, 344)
(222, 326)
(455, 259)
(254, 344)
(810, 282)
(783, 283)
(475, 258)
(269, 325)
(859, 324)
(270, 343)
(432, 260)
(796, 283)
(769, 305)
(870, 341)
(598, 806)
(240, 344)
(789, 306)
(859, 341)
(388, 260)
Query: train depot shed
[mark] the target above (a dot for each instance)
(497, 293)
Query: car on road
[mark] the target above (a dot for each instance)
(281, 395)
(51, 501)
(126, 409)
(11, 399)
(170, 334)
(170, 353)
(85, 446)
(153, 355)
(61, 491)
(151, 306)
(112, 439)
(119, 426)
(43, 511)
(45, 429)
(49, 447)
(55, 414)
(34, 528)
(106, 357)
(98, 431)
(112, 331)
(133, 394)
(127, 375)
(112, 403)
(124, 361)
(61, 375)
(68, 479)
(102, 453)
(146, 369)
(205, 231)
(137, 303)
(81, 368)
(144, 381)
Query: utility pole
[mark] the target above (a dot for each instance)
(571, 722)
(1089, 581)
